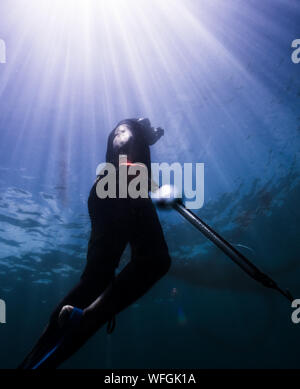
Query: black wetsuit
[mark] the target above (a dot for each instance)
(115, 223)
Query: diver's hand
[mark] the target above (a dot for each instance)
(166, 196)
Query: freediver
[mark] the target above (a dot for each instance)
(115, 222)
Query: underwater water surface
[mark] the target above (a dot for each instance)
(218, 77)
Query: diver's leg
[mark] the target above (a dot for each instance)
(53, 332)
(83, 294)
(131, 284)
(107, 242)
(103, 256)
(150, 262)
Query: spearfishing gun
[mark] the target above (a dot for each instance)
(167, 199)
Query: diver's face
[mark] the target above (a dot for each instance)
(123, 135)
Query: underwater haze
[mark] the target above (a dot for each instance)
(218, 77)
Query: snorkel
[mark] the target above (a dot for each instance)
(150, 134)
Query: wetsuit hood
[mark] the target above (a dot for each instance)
(140, 150)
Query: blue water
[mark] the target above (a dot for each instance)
(218, 77)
